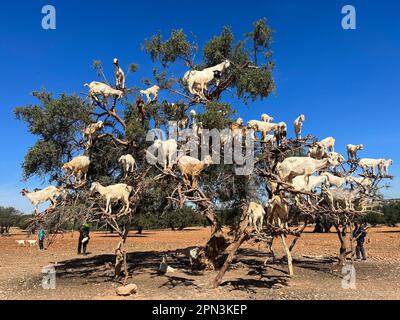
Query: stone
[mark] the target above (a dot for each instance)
(127, 290)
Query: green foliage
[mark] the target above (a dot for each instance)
(218, 48)
(11, 217)
(388, 214)
(170, 50)
(174, 219)
(56, 122)
(391, 213)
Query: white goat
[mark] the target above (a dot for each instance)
(301, 166)
(328, 144)
(91, 130)
(98, 88)
(192, 167)
(114, 193)
(366, 164)
(119, 75)
(263, 127)
(349, 197)
(298, 125)
(32, 243)
(281, 132)
(314, 182)
(128, 164)
(385, 164)
(266, 118)
(38, 197)
(167, 152)
(256, 215)
(317, 152)
(334, 180)
(77, 168)
(20, 243)
(197, 81)
(152, 91)
(278, 211)
(336, 157)
(353, 149)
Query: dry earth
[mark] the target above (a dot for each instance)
(317, 275)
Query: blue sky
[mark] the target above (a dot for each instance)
(346, 82)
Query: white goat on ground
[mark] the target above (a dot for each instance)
(119, 75)
(20, 243)
(328, 144)
(128, 164)
(32, 243)
(77, 168)
(152, 91)
(298, 125)
(256, 215)
(114, 193)
(192, 167)
(48, 194)
(302, 166)
(98, 88)
(197, 81)
(366, 164)
(353, 149)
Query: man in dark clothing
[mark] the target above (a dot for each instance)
(83, 238)
(359, 235)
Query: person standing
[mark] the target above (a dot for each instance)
(359, 235)
(42, 235)
(83, 238)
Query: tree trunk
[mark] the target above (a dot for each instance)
(343, 246)
(294, 242)
(288, 255)
(241, 236)
(217, 243)
(120, 259)
(232, 252)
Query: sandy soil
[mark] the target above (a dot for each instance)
(317, 275)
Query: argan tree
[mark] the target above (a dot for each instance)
(59, 122)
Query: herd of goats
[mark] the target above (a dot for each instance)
(303, 175)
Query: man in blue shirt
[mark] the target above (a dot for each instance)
(359, 235)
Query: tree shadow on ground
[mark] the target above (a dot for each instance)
(100, 269)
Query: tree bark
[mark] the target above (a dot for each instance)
(288, 255)
(241, 236)
(343, 246)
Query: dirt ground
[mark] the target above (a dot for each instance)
(317, 275)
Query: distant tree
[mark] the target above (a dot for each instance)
(11, 217)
